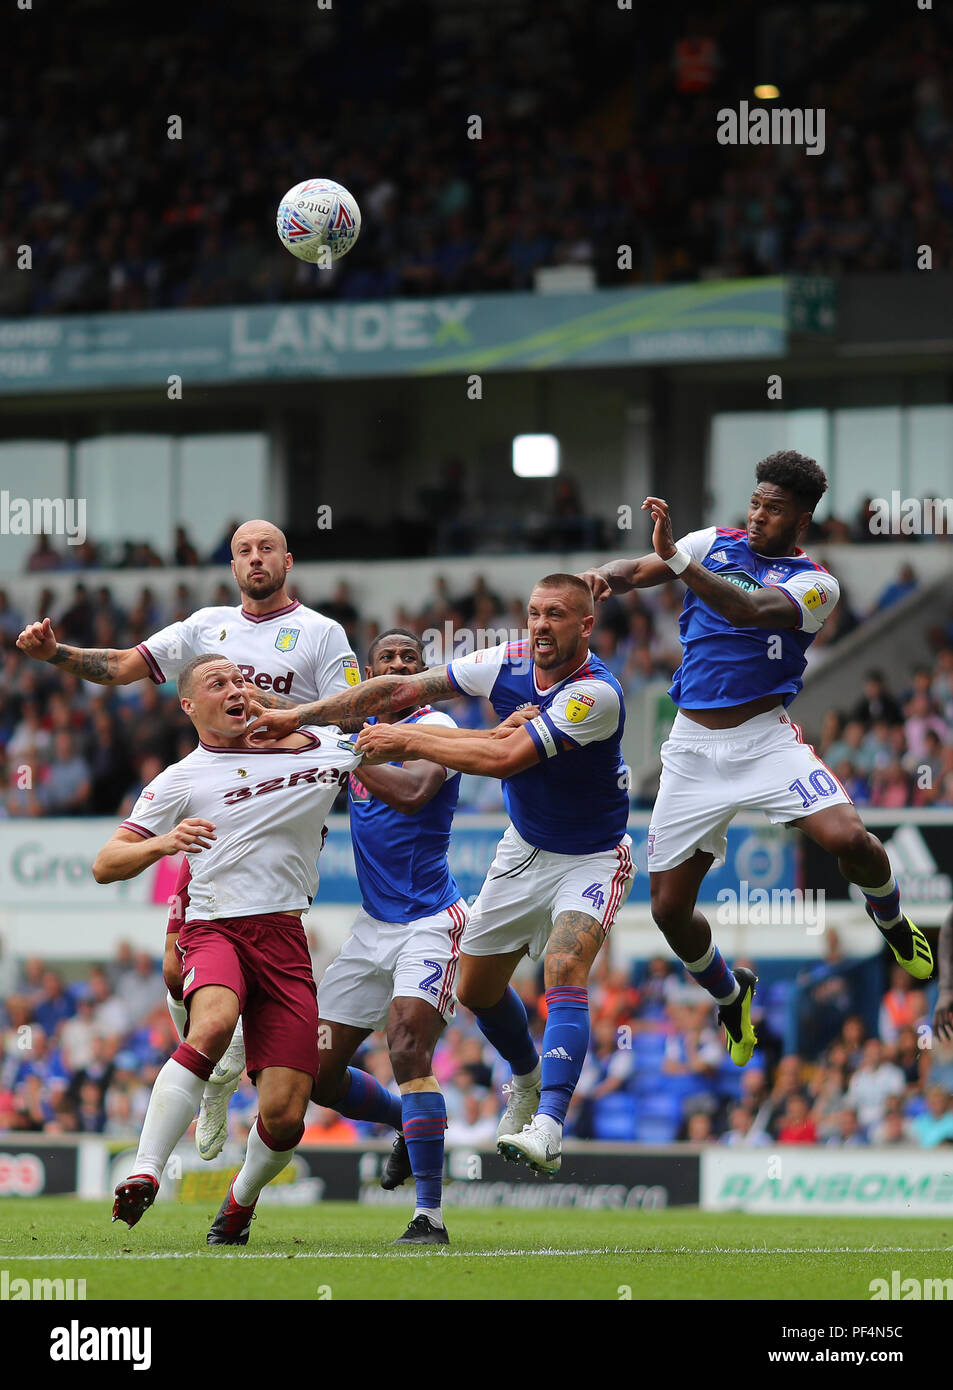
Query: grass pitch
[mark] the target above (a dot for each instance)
(343, 1251)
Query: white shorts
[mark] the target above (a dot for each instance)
(384, 961)
(709, 775)
(527, 888)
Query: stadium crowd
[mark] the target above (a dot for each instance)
(81, 1057)
(122, 209)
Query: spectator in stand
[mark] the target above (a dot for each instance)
(184, 554)
(876, 702)
(43, 556)
(902, 1007)
(873, 1081)
(475, 1127)
(741, 1133)
(825, 997)
(900, 588)
(935, 1125)
(796, 1125)
(327, 1127)
(828, 1089)
(848, 1133)
(894, 1128)
(607, 1069)
(66, 786)
(922, 718)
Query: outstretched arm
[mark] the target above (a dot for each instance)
(620, 576)
(460, 749)
(762, 608)
(377, 696)
(104, 665)
(404, 789)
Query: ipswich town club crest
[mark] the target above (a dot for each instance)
(287, 637)
(774, 576)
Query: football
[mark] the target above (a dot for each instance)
(318, 221)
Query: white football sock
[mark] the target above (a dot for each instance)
(174, 1101)
(529, 1079)
(180, 1015)
(435, 1214)
(552, 1127)
(260, 1166)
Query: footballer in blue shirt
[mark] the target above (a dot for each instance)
(754, 604)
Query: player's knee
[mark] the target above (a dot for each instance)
(666, 912)
(282, 1120)
(409, 1060)
(855, 842)
(211, 1034)
(474, 995)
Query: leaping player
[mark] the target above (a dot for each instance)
(755, 604)
(250, 820)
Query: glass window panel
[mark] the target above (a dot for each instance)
(222, 477)
(30, 468)
(868, 454)
(740, 439)
(930, 451)
(127, 480)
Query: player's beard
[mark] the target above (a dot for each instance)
(261, 590)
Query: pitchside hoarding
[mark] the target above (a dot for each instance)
(805, 1180)
(48, 863)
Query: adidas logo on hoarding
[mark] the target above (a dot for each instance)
(916, 870)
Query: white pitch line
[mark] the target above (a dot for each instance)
(486, 1254)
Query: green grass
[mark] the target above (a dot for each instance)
(343, 1248)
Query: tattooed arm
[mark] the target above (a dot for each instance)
(103, 665)
(349, 708)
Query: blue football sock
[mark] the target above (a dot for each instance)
(507, 1028)
(711, 972)
(424, 1122)
(366, 1099)
(565, 1042)
(884, 902)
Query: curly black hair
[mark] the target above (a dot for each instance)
(797, 474)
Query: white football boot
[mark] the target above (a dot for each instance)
(523, 1095)
(538, 1144)
(212, 1128)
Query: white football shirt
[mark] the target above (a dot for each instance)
(294, 651)
(268, 806)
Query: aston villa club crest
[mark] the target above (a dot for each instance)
(287, 637)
